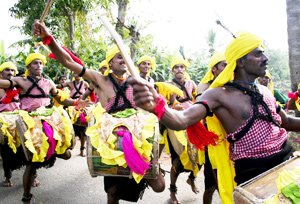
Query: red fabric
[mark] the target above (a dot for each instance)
(93, 97)
(76, 59)
(293, 95)
(160, 107)
(9, 95)
(200, 136)
(47, 40)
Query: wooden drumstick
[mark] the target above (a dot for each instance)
(46, 10)
(130, 65)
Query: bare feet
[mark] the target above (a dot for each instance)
(191, 182)
(36, 183)
(7, 183)
(173, 199)
(81, 153)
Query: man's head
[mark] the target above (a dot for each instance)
(243, 52)
(62, 79)
(179, 66)
(35, 63)
(265, 80)
(76, 77)
(103, 66)
(8, 70)
(145, 64)
(115, 60)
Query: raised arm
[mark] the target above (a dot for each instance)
(61, 55)
(146, 97)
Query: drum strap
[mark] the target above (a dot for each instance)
(256, 99)
(182, 87)
(77, 93)
(120, 92)
(33, 85)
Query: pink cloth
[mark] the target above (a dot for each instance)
(82, 90)
(264, 138)
(31, 104)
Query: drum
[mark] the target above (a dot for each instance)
(263, 187)
(21, 129)
(98, 168)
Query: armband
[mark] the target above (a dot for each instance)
(47, 40)
(82, 72)
(160, 107)
(208, 111)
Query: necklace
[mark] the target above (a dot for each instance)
(118, 78)
(245, 82)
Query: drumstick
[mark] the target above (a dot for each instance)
(122, 48)
(46, 10)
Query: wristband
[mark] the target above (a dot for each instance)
(160, 107)
(293, 95)
(47, 40)
(76, 102)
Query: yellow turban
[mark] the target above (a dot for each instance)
(148, 58)
(34, 56)
(215, 59)
(111, 53)
(9, 65)
(179, 60)
(271, 84)
(103, 64)
(239, 47)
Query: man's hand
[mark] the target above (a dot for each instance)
(144, 94)
(83, 103)
(39, 29)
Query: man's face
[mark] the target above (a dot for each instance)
(218, 68)
(117, 64)
(178, 71)
(256, 62)
(62, 80)
(35, 68)
(145, 67)
(76, 77)
(7, 73)
(103, 69)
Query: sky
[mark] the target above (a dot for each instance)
(175, 23)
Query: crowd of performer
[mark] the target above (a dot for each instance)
(233, 123)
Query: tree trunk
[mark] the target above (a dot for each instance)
(122, 8)
(293, 28)
(72, 30)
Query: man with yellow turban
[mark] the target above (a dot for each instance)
(9, 101)
(217, 64)
(48, 133)
(146, 64)
(185, 156)
(121, 135)
(245, 114)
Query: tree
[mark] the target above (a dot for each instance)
(293, 28)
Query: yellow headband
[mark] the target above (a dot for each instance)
(239, 47)
(103, 64)
(179, 60)
(148, 58)
(9, 65)
(33, 56)
(111, 53)
(215, 59)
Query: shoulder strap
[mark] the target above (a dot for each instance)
(33, 85)
(77, 90)
(120, 92)
(182, 87)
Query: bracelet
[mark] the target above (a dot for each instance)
(76, 102)
(293, 95)
(160, 107)
(47, 40)
(82, 71)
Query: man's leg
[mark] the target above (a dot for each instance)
(28, 177)
(173, 178)
(191, 182)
